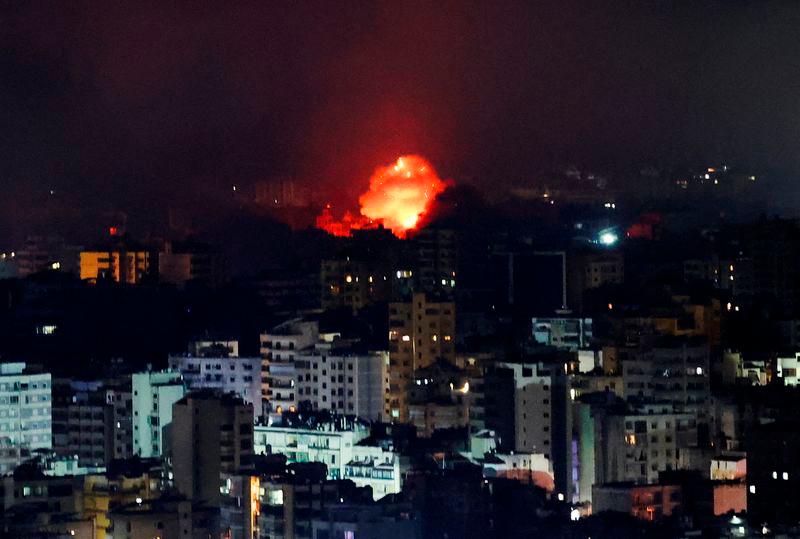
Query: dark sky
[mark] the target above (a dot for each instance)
(139, 106)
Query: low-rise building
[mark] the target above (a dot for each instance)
(564, 332)
(337, 445)
(239, 375)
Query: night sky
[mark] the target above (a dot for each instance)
(141, 107)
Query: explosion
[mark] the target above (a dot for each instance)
(398, 196)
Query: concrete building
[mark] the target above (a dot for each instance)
(84, 425)
(367, 521)
(337, 446)
(165, 518)
(279, 347)
(154, 393)
(354, 284)
(435, 260)
(25, 414)
(180, 263)
(588, 270)
(119, 395)
(127, 266)
(527, 404)
(646, 502)
(239, 375)
(439, 398)
(421, 331)
(39, 253)
(728, 467)
(788, 369)
(363, 272)
(675, 370)
(564, 332)
(636, 445)
(211, 433)
(339, 376)
(214, 348)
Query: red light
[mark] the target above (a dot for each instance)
(113, 231)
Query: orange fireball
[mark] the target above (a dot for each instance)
(398, 196)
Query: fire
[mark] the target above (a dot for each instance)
(399, 195)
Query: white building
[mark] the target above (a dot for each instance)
(154, 393)
(279, 346)
(338, 449)
(25, 414)
(336, 376)
(788, 368)
(239, 375)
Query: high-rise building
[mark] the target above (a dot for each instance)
(154, 393)
(83, 424)
(211, 433)
(339, 376)
(279, 347)
(25, 414)
(421, 331)
(364, 272)
(435, 260)
(528, 405)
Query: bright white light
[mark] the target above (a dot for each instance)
(785, 476)
(560, 497)
(752, 489)
(608, 238)
(574, 515)
(774, 475)
(139, 501)
(699, 370)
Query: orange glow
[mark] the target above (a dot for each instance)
(255, 504)
(398, 196)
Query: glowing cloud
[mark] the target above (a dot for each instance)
(398, 196)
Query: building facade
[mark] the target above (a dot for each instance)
(154, 393)
(25, 414)
(420, 332)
